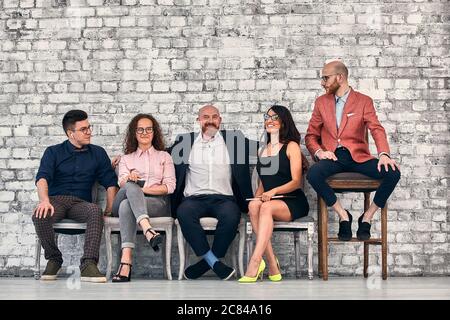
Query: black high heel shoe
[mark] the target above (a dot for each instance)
(154, 241)
(118, 277)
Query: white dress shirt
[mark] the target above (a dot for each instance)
(209, 169)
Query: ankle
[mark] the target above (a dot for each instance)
(150, 233)
(343, 216)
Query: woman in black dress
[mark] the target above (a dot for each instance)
(280, 167)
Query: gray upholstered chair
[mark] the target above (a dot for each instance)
(209, 225)
(160, 224)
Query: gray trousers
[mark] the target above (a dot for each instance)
(131, 205)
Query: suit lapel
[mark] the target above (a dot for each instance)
(350, 100)
(331, 106)
(231, 147)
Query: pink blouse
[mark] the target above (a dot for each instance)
(153, 166)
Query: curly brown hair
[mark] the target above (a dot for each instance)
(131, 143)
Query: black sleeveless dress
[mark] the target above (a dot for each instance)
(275, 171)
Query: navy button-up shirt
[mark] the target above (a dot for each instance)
(72, 171)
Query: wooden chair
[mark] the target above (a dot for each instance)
(65, 226)
(302, 224)
(296, 226)
(209, 225)
(160, 224)
(350, 182)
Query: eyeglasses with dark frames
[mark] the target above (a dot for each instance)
(274, 117)
(325, 78)
(141, 130)
(85, 130)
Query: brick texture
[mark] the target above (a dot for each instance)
(169, 57)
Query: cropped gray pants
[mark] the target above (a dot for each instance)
(131, 205)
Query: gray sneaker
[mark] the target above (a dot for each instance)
(90, 273)
(51, 270)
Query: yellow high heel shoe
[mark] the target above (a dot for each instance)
(276, 277)
(261, 268)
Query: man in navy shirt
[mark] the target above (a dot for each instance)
(66, 175)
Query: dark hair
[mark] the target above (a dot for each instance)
(131, 143)
(288, 130)
(72, 117)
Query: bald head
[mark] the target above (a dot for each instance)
(209, 109)
(209, 120)
(335, 67)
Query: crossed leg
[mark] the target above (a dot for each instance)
(262, 215)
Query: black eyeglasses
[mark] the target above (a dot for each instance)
(85, 130)
(325, 78)
(274, 117)
(146, 130)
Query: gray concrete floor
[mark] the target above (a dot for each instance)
(334, 288)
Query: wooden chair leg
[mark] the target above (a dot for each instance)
(366, 259)
(108, 245)
(310, 250)
(168, 253)
(241, 248)
(319, 239)
(181, 253)
(37, 262)
(324, 238)
(384, 242)
(297, 253)
(366, 246)
(249, 241)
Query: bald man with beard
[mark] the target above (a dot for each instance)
(336, 138)
(213, 180)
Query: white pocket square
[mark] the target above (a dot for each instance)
(350, 114)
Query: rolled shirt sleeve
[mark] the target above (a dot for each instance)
(105, 172)
(47, 167)
(169, 178)
(123, 169)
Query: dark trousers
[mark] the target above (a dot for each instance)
(69, 207)
(320, 171)
(223, 208)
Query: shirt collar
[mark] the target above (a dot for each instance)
(213, 139)
(140, 152)
(343, 98)
(73, 149)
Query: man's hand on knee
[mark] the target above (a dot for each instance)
(326, 155)
(44, 208)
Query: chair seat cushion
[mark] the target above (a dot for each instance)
(352, 182)
(69, 226)
(298, 224)
(210, 223)
(159, 223)
(349, 176)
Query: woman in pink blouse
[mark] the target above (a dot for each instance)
(146, 178)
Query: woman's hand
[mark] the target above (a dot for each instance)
(115, 161)
(133, 176)
(266, 196)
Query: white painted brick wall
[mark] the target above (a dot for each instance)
(169, 57)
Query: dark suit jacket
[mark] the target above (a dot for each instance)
(240, 150)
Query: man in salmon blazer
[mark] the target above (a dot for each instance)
(336, 138)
